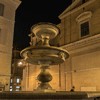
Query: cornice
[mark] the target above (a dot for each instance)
(69, 8)
(7, 75)
(13, 3)
(76, 9)
(4, 50)
(2, 18)
(16, 2)
(87, 44)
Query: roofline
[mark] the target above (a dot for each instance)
(64, 14)
(16, 2)
(70, 7)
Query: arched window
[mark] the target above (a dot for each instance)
(1, 9)
(84, 23)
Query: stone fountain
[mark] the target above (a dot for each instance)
(44, 54)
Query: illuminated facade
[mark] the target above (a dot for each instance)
(7, 20)
(80, 35)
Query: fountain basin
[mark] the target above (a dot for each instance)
(44, 55)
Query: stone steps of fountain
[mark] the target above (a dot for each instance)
(46, 96)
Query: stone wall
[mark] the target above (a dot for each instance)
(70, 31)
(6, 40)
(82, 67)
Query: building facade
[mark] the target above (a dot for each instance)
(80, 35)
(7, 20)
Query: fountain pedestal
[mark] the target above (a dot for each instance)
(44, 77)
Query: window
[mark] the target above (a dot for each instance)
(83, 21)
(2, 37)
(17, 87)
(84, 29)
(18, 80)
(11, 80)
(10, 89)
(10, 86)
(1, 9)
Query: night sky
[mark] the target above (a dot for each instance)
(31, 12)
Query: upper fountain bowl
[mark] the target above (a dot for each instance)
(44, 54)
(45, 30)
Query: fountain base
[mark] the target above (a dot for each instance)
(44, 90)
(44, 87)
(44, 77)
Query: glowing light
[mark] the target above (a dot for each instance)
(20, 63)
